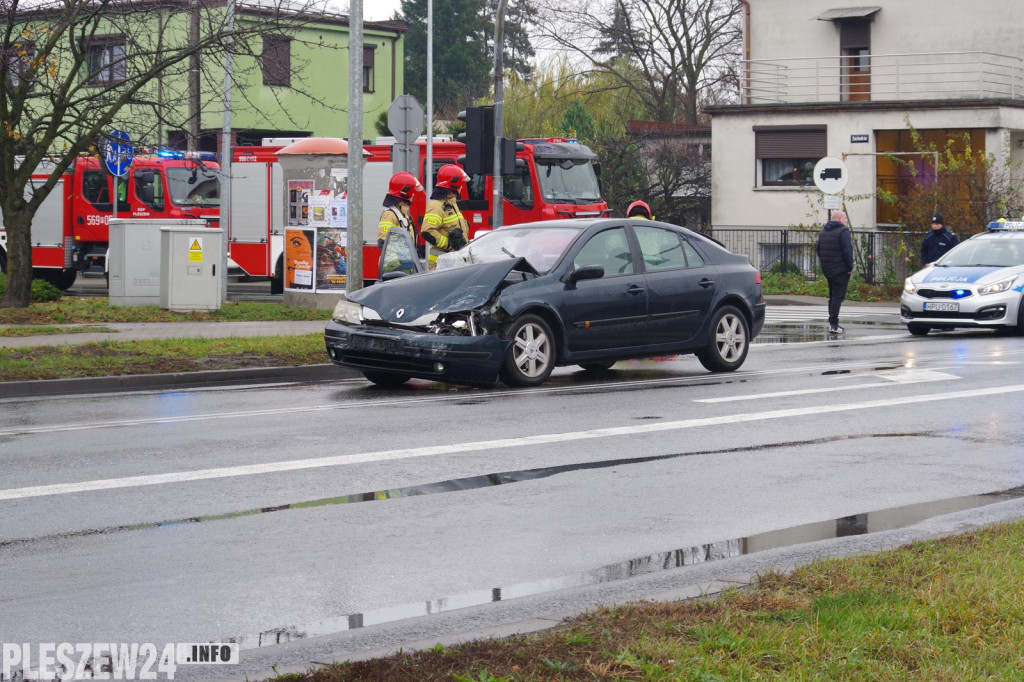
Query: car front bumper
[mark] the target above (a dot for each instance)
(435, 357)
(995, 310)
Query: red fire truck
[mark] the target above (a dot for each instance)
(554, 178)
(70, 233)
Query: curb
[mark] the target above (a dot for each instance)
(149, 382)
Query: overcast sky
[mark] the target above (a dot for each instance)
(379, 10)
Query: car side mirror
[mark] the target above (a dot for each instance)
(514, 190)
(586, 272)
(394, 274)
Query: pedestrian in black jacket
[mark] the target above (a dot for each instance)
(835, 251)
(937, 242)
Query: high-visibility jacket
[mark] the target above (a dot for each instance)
(441, 217)
(394, 216)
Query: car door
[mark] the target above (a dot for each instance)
(610, 312)
(680, 285)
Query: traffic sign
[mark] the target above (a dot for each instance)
(405, 119)
(830, 175)
(119, 153)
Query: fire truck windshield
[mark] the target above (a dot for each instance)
(568, 181)
(193, 187)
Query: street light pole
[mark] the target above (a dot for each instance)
(428, 171)
(225, 148)
(499, 117)
(354, 260)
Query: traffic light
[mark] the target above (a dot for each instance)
(479, 139)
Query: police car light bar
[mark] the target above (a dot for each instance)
(1006, 225)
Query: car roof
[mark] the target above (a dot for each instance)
(586, 223)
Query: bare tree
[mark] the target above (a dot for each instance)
(668, 53)
(75, 69)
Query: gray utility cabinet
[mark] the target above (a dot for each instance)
(190, 278)
(133, 261)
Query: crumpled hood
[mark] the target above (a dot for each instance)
(437, 291)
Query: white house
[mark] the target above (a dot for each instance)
(826, 79)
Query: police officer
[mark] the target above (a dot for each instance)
(397, 203)
(937, 242)
(639, 209)
(444, 226)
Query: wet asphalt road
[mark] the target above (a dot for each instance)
(314, 521)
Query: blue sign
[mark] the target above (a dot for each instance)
(119, 153)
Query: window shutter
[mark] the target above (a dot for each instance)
(797, 142)
(855, 34)
(368, 57)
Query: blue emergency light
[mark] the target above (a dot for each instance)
(1006, 225)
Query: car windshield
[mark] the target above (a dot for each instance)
(996, 253)
(193, 186)
(568, 181)
(541, 246)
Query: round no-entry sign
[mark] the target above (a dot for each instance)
(830, 175)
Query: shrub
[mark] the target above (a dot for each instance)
(41, 290)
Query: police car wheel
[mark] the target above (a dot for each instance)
(918, 329)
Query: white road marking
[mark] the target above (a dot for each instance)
(910, 376)
(477, 446)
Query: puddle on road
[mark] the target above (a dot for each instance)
(858, 524)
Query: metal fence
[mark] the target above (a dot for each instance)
(879, 257)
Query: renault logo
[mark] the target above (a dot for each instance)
(401, 311)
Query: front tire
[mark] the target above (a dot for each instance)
(918, 329)
(385, 380)
(531, 357)
(728, 341)
(597, 366)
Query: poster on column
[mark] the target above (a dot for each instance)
(298, 259)
(331, 252)
(298, 202)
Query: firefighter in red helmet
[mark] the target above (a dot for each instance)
(397, 203)
(639, 209)
(444, 227)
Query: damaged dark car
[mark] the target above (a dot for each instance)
(523, 299)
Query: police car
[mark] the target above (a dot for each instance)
(978, 283)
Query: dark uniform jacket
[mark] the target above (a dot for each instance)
(935, 244)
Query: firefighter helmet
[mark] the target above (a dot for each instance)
(639, 209)
(403, 185)
(451, 177)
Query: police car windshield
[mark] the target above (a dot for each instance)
(992, 253)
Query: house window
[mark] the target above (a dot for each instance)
(18, 61)
(105, 61)
(277, 60)
(368, 85)
(786, 155)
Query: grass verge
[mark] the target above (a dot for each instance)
(950, 609)
(70, 310)
(114, 358)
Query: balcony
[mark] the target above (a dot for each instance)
(885, 77)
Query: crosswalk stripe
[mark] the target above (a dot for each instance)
(812, 312)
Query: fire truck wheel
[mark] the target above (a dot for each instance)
(3, 262)
(65, 279)
(277, 282)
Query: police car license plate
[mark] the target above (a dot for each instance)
(942, 307)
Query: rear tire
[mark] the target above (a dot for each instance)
(918, 329)
(728, 341)
(385, 380)
(531, 357)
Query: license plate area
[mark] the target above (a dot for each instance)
(373, 343)
(942, 307)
